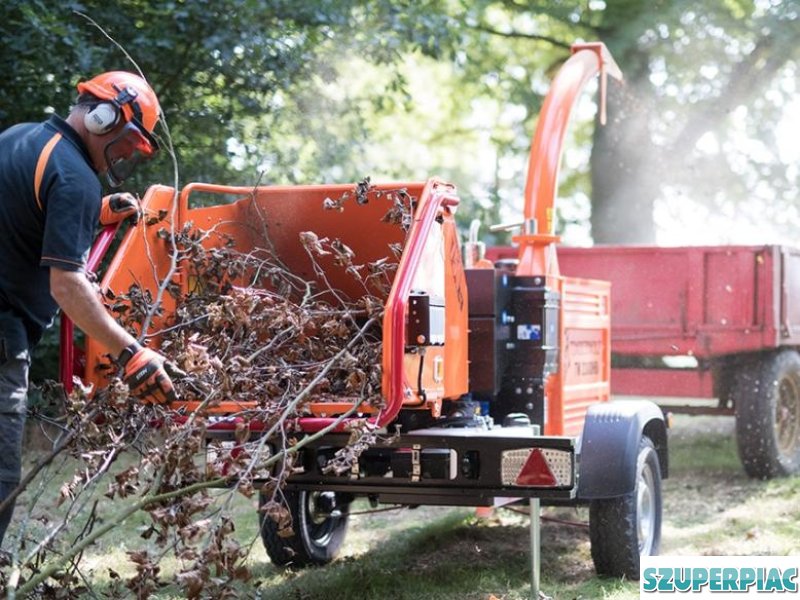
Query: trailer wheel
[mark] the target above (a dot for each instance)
(624, 529)
(767, 403)
(319, 524)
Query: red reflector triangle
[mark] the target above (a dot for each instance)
(535, 471)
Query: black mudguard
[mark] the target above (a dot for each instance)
(610, 445)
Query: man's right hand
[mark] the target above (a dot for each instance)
(146, 377)
(119, 206)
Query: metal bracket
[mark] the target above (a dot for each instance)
(416, 466)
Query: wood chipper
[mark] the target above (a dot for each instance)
(495, 384)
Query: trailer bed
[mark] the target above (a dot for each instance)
(700, 301)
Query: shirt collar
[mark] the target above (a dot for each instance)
(65, 129)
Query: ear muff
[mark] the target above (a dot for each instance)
(101, 118)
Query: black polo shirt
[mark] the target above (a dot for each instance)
(54, 230)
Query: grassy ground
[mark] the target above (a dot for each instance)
(711, 507)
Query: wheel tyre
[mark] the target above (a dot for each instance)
(767, 404)
(624, 529)
(317, 534)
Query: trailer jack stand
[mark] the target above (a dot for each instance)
(536, 546)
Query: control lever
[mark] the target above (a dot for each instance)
(528, 226)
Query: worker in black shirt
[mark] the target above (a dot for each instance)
(50, 205)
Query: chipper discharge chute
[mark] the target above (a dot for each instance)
(493, 381)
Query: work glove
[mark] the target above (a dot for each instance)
(116, 207)
(145, 375)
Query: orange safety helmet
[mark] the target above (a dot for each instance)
(129, 92)
(124, 98)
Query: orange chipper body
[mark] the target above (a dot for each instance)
(584, 364)
(450, 335)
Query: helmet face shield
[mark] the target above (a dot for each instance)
(131, 147)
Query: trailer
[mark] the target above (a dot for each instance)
(719, 325)
(495, 386)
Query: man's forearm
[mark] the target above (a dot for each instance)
(78, 299)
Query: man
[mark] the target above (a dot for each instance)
(50, 205)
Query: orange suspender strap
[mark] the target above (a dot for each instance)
(41, 165)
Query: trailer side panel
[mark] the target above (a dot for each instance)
(701, 301)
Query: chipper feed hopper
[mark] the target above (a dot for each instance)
(497, 381)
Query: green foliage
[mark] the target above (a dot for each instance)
(216, 66)
(44, 358)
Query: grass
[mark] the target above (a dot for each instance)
(711, 508)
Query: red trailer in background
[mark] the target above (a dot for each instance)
(715, 322)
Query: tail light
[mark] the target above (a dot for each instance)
(537, 467)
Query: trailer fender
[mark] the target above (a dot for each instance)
(609, 446)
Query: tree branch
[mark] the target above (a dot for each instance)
(118, 518)
(520, 35)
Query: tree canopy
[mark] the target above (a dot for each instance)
(215, 65)
(324, 90)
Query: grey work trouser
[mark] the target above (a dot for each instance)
(14, 364)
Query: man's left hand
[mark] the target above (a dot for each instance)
(120, 206)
